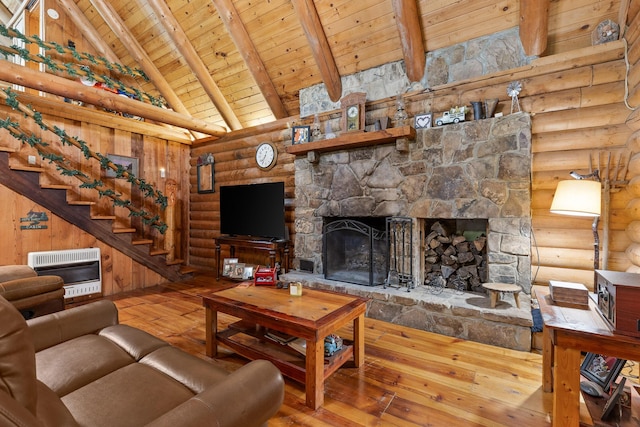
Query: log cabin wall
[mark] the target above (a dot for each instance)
(235, 164)
(578, 116)
(632, 37)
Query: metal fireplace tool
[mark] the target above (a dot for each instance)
(399, 238)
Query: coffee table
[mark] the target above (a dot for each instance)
(312, 317)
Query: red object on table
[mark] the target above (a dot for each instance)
(265, 276)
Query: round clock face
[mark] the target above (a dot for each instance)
(266, 155)
(352, 111)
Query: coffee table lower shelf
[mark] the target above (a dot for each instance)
(249, 341)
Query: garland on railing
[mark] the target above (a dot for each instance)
(65, 169)
(75, 70)
(79, 56)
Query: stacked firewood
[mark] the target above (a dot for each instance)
(453, 261)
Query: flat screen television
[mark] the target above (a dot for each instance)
(255, 210)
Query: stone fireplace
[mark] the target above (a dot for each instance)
(473, 170)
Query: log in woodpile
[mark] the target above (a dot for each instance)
(453, 261)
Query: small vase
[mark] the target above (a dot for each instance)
(477, 110)
(490, 106)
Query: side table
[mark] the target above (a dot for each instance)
(271, 246)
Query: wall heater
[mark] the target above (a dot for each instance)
(79, 268)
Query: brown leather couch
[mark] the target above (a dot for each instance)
(79, 367)
(31, 294)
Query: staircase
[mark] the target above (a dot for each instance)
(25, 180)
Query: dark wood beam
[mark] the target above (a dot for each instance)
(247, 49)
(408, 23)
(320, 49)
(534, 26)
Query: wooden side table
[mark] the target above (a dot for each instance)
(495, 289)
(271, 246)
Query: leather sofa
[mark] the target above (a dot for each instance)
(31, 294)
(80, 367)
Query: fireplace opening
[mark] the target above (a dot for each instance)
(455, 253)
(355, 250)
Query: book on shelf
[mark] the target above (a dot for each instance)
(299, 345)
(279, 337)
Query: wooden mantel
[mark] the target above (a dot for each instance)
(354, 140)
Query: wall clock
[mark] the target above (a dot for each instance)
(266, 155)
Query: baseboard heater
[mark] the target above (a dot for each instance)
(79, 268)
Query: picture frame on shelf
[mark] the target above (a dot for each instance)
(423, 121)
(600, 370)
(247, 274)
(300, 134)
(229, 266)
(613, 400)
(130, 164)
(238, 271)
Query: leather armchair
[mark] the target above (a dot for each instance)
(80, 367)
(31, 294)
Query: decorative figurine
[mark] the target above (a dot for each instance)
(513, 90)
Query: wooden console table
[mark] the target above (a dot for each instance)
(272, 246)
(567, 332)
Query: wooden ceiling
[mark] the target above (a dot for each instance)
(240, 63)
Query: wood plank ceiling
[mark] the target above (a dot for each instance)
(240, 63)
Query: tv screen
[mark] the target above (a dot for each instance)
(253, 210)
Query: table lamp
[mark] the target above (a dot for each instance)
(581, 197)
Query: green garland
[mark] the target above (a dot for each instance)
(64, 167)
(79, 56)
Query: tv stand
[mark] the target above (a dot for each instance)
(273, 246)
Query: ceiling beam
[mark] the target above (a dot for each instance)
(408, 23)
(247, 49)
(88, 31)
(534, 26)
(320, 49)
(66, 88)
(138, 54)
(188, 52)
(623, 13)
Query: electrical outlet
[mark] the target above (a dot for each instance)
(32, 160)
(162, 173)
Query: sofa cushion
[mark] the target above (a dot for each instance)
(172, 361)
(17, 357)
(51, 411)
(77, 362)
(134, 341)
(132, 396)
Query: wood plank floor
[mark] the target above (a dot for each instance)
(410, 377)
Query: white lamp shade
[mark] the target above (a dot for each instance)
(577, 197)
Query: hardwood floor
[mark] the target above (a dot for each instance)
(410, 377)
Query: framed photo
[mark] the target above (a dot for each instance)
(423, 121)
(613, 400)
(601, 370)
(130, 164)
(248, 272)
(229, 266)
(206, 182)
(300, 134)
(238, 271)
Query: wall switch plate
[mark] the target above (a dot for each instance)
(31, 160)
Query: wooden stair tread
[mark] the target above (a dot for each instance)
(27, 168)
(112, 217)
(154, 252)
(187, 270)
(56, 186)
(175, 261)
(122, 230)
(81, 202)
(141, 241)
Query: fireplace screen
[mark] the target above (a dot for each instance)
(354, 252)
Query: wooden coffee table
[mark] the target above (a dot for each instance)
(312, 317)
